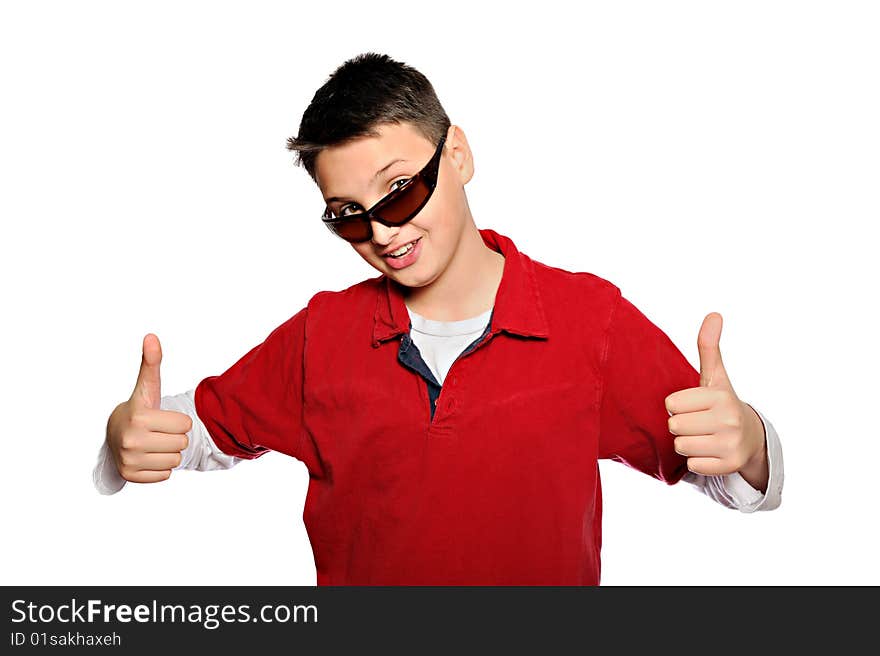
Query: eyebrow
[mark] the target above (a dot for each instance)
(334, 199)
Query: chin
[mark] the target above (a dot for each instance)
(411, 279)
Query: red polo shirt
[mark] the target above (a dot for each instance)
(502, 486)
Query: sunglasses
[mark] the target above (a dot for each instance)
(394, 209)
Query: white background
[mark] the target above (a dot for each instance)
(703, 156)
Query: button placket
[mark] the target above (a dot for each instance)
(448, 390)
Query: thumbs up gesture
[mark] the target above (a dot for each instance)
(146, 442)
(719, 433)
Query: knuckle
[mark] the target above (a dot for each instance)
(732, 421)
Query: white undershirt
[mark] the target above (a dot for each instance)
(440, 343)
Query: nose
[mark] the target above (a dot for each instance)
(383, 234)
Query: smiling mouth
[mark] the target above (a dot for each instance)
(409, 247)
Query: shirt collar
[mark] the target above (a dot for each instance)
(518, 307)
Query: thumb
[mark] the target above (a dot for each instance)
(712, 372)
(147, 390)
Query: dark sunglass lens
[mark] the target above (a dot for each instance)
(353, 230)
(404, 205)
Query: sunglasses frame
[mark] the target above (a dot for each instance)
(428, 175)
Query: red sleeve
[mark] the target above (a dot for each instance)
(256, 405)
(641, 367)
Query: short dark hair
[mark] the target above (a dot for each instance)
(365, 92)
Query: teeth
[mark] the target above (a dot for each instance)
(402, 250)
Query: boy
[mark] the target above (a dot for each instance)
(452, 410)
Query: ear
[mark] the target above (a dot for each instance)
(460, 151)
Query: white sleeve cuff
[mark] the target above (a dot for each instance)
(105, 476)
(201, 454)
(741, 491)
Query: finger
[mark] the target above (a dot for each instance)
(709, 466)
(149, 476)
(693, 423)
(165, 443)
(701, 446)
(148, 390)
(163, 421)
(692, 399)
(157, 461)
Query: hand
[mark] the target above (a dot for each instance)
(146, 442)
(717, 432)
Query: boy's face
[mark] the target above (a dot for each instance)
(347, 171)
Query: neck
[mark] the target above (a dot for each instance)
(467, 286)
